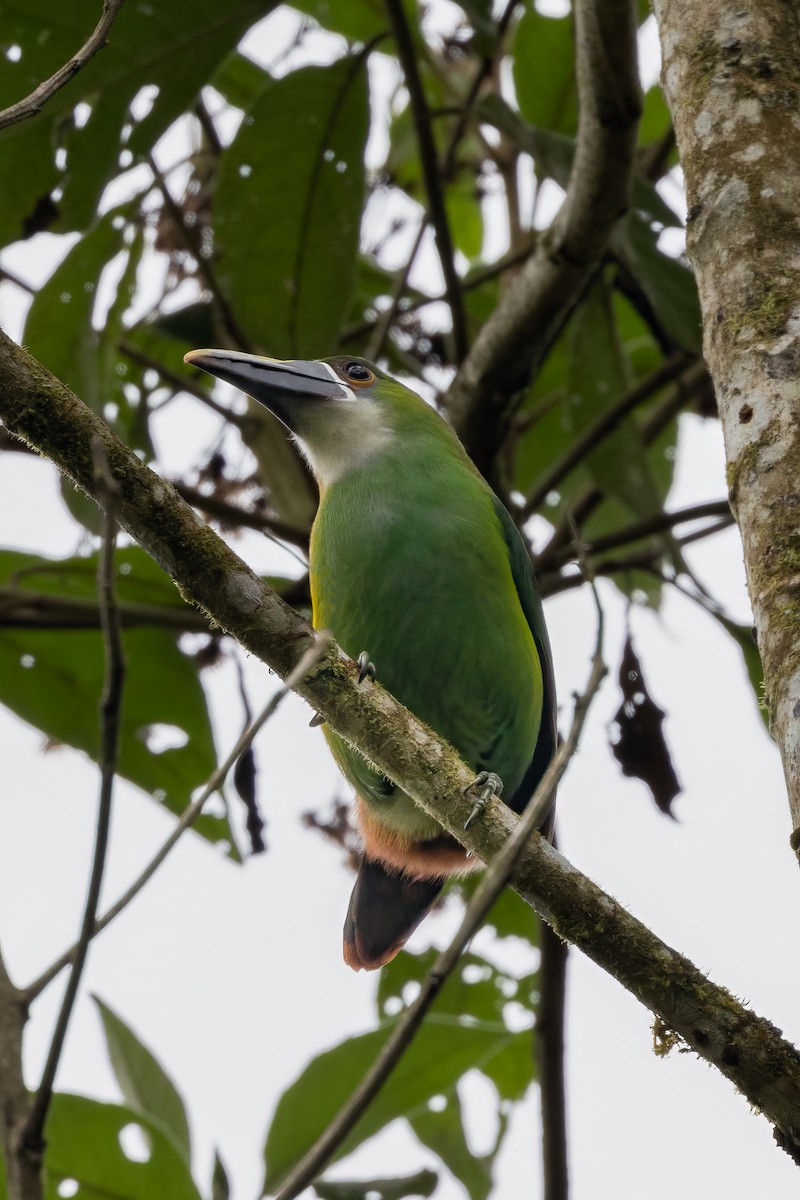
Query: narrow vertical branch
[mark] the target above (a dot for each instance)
(23, 1179)
(33, 1142)
(549, 1044)
(430, 172)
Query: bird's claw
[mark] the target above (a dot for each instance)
(366, 669)
(316, 720)
(487, 784)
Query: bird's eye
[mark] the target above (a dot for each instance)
(358, 372)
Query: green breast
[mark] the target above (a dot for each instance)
(410, 564)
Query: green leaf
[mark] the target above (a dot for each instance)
(143, 1081)
(553, 152)
(656, 120)
(509, 916)
(53, 679)
(744, 638)
(128, 417)
(668, 284)
(288, 208)
(484, 30)
(442, 1051)
(240, 80)
(83, 1144)
(465, 215)
(598, 378)
(357, 20)
(220, 1183)
(475, 990)
(172, 50)
(58, 329)
(193, 325)
(421, 1183)
(443, 1132)
(544, 71)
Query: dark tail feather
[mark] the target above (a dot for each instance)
(384, 911)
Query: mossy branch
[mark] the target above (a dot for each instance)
(746, 1048)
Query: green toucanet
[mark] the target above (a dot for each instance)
(415, 561)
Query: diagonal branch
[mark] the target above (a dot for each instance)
(385, 320)
(430, 171)
(490, 887)
(744, 1047)
(35, 102)
(181, 384)
(32, 1142)
(687, 388)
(192, 241)
(605, 424)
(637, 530)
(512, 343)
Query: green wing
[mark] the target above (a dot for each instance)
(528, 592)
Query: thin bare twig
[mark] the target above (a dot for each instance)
(687, 388)
(24, 609)
(36, 101)
(431, 174)
(234, 514)
(181, 383)
(17, 280)
(497, 875)
(604, 425)
(384, 322)
(192, 242)
(386, 319)
(471, 281)
(637, 530)
(315, 653)
(32, 1140)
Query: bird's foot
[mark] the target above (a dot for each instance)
(316, 720)
(487, 784)
(366, 669)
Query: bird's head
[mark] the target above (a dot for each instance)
(341, 410)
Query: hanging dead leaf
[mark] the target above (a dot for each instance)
(640, 748)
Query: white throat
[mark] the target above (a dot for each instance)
(342, 434)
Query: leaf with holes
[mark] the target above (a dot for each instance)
(443, 1049)
(476, 989)
(162, 53)
(442, 1131)
(288, 208)
(144, 1083)
(53, 678)
(111, 1150)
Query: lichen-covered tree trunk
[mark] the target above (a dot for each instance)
(732, 79)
